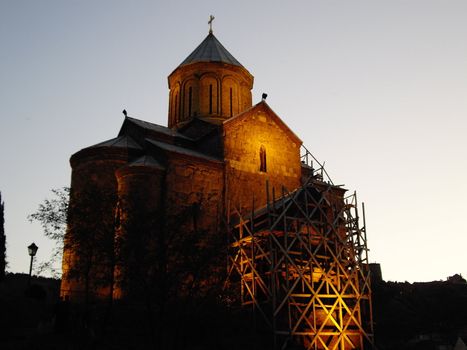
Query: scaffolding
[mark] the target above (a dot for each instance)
(301, 262)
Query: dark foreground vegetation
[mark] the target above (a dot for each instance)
(423, 316)
(407, 316)
(35, 318)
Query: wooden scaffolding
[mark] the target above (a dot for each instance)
(301, 262)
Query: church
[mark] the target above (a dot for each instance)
(217, 149)
(221, 161)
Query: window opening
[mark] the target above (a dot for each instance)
(189, 101)
(231, 102)
(262, 159)
(176, 108)
(210, 98)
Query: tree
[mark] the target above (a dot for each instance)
(89, 240)
(2, 240)
(80, 223)
(170, 262)
(52, 216)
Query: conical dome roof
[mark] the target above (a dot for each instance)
(210, 84)
(211, 50)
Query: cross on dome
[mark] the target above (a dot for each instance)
(211, 18)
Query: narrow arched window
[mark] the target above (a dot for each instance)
(262, 159)
(190, 95)
(176, 108)
(210, 98)
(231, 114)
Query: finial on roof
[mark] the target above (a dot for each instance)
(264, 97)
(125, 112)
(211, 18)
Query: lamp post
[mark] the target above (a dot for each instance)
(32, 250)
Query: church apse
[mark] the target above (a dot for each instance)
(88, 246)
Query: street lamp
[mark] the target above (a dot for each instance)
(32, 250)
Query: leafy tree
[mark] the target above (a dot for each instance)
(82, 231)
(90, 239)
(52, 216)
(2, 240)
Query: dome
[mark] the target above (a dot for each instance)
(211, 50)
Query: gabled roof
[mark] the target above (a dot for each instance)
(263, 106)
(211, 50)
(147, 161)
(197, 128)
(183, 151)
(121, 147)
(118, 142)
(153, 127)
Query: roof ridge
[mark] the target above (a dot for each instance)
(183, 150)
(147, 161)
(263, 104)
(126, 140)
(157, 128)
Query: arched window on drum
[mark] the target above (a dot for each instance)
(230, 106)
(189, 100)
(208, 96)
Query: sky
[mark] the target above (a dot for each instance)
(376, 89)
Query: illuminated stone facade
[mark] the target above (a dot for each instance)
(251, 135)
(218, 151)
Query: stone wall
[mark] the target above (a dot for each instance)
(218, 91)
(89, 238)
(164, 217)
(195, 240)
(244, 136)
(138, 229)
(194, 190)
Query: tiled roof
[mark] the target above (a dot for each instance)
(118, 142)
(182, 150)
(147, 161)
(155, 127)
(211, 50)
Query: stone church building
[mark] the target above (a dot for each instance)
(160, 212)
(218, 150)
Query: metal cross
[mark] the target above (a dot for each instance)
(211, 18)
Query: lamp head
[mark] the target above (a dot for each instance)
(32, 249)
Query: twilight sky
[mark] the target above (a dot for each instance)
(376, 89)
